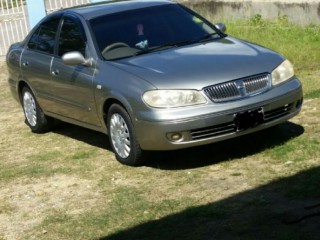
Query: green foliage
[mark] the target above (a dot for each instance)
(256, 20)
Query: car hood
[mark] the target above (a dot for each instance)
(199, 65)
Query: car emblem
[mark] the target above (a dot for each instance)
(241, 87)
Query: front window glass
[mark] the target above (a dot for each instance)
(143, 30)
(71, 38)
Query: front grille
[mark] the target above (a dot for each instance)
(238, 89)
(257, 84)
(223, 92)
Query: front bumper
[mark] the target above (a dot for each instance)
(216, 122)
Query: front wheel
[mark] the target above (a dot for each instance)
(122, 137)
(35, 118)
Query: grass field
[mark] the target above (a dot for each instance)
(66, 184)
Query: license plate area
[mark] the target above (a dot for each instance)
(248, 119)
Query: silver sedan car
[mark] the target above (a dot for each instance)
(153, 75)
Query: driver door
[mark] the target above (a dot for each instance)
(73, 85)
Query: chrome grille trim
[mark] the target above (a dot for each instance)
(223, 92)
(213, 131)
(238, 89)
(278, 112)
(257, 83)
(230, 127)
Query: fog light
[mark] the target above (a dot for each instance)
(175, 137)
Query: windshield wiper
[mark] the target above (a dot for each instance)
(207, 37)
(163, 47)
(176, 44)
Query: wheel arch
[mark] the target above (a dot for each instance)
(106, 106)
(21, 85)
(134, 156)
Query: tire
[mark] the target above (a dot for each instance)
(34, 116)
(122, 137)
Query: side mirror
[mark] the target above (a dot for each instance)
(221, 26)
(75, 58)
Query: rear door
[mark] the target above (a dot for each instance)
(36, 61)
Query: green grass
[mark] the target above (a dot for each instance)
(296, 150)
(313, 94)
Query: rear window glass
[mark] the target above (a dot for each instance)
(44, 37)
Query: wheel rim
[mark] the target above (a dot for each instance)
(29, 106)
(120, 135)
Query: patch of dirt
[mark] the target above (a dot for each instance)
(3, 71)
(28, 201)
(11, 120)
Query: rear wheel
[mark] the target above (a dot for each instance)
(122, 137)
(35, 118)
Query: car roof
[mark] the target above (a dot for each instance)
(95, 10)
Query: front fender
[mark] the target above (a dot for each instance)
(115, 85)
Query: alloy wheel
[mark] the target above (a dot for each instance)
(29, 106)
(120, 135)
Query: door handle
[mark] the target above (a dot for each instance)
(25, 64)
(55, 72)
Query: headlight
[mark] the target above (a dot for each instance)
(282, 73)
(173, 98)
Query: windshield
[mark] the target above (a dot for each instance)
(140, 31)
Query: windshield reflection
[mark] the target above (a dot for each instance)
(146, 30)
